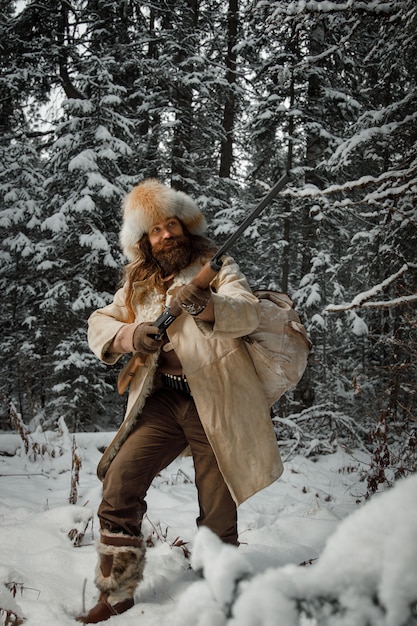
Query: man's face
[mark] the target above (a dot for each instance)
(164, 234)
(170, 245)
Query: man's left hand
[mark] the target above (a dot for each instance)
(192, 300)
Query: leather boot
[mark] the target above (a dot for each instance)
(103, 610)
(119, 570)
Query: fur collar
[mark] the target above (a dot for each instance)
(155, 302)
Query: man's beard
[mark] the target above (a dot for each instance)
(173, 259)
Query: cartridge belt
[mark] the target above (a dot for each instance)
(179, 383)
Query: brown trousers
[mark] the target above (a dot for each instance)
(168, 423)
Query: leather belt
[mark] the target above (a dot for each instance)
(179, 383)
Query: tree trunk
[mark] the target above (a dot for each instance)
(229, 112)
(181, 143)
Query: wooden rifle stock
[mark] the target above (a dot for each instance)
(200, 280)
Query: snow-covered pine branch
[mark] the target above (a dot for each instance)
(362, 299)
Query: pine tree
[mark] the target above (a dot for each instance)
(384, 142)
(22, 252)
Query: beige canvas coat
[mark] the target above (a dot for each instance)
(228, 395)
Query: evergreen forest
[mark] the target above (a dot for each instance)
(217, 98)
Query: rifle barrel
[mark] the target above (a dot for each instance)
(258, 209)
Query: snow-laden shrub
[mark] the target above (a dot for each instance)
(365, 576)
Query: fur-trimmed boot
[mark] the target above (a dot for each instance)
(119, 570)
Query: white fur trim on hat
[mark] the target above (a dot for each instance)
(151, 202)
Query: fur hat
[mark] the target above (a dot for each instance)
(151, 202)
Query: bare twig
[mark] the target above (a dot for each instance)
(75, 473)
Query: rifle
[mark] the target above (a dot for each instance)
(213, 266)
(201, 280)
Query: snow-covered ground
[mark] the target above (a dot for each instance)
(313, 551)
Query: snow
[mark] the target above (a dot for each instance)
(55, 223)
(84, 161)
(359, 326)
(313, 550)
(95, 240)
(362, 298)
(85, 203)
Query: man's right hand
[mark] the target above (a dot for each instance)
(144, 339)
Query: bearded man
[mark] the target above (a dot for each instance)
(194, 387)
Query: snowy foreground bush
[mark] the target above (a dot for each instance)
(366, 575)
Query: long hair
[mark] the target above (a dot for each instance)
(145, 267)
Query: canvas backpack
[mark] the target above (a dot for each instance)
(279, 347)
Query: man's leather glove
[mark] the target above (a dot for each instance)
(191, 299)
(144, 340)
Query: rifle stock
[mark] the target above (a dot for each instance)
(205, 275)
